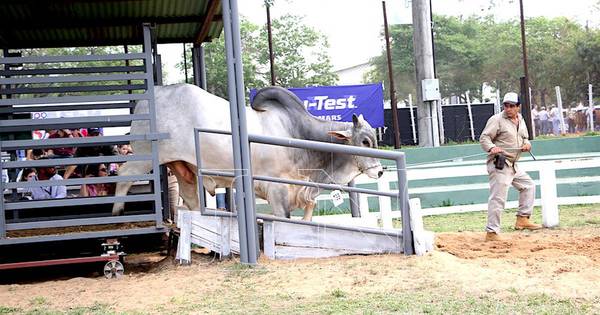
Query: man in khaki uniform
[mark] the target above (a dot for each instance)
(505, 133)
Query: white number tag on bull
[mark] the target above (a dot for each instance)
(336, 197)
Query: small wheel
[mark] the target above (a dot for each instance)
(113, 269)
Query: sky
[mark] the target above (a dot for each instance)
(354, 27)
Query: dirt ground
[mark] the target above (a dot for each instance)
(562, 263)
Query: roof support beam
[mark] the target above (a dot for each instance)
(211, 12)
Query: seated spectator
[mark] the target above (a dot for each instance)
(102, 150)
(65, 151)
(94, 190)
(45, 192)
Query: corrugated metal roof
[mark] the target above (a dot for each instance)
(66, 23)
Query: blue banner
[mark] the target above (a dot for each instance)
(338, 103)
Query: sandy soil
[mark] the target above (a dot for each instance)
(562, 263)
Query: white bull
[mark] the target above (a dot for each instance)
(275, 112)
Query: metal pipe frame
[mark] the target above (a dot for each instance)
(241, 151)
(74, 99)
(55, 262)
(148, 53)
(82, 235)
(75, 222)
(54, 108)
(79, 142)
(73, 70)
(398, 157)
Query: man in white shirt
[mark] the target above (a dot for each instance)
(48, 192)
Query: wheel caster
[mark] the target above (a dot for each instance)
(113, 269)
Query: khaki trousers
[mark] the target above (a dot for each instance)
(500, 181)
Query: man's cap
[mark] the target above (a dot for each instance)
(512, 98)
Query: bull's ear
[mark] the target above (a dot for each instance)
(342, 134)
(357, 120)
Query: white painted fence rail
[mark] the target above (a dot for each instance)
(547, 182)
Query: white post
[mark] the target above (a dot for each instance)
(184, 246)
(441, 122)
(497, 104)
(470, 116)
(385, 204)
(590, 108)
(423, 240)
(560, 109)
(550, 216)
(412, 118)
(363, 205)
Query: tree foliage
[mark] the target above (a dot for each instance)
(476, 50)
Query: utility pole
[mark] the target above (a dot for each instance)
(423, 51)
(526, 107)
(393, 103)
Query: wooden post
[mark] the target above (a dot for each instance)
(385, 204)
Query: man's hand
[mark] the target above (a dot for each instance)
(496, 150)
(526, 147)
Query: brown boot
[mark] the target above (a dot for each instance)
(524, 223)
(492, 237)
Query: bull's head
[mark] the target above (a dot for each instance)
(362, 135)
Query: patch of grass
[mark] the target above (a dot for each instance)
(38, 301)
(338, 293)
(242, 270)
(9, 310)
(438, 303)
(570, 216)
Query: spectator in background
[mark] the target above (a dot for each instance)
(536, 120)
(100, 150)
(543, 115)
(46, 192)
(63, 152)
(95, 190)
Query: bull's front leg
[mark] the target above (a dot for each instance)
(129, 168)
(277, 197)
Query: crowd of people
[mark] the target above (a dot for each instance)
(71, 171)
(575, 119)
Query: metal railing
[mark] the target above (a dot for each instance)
(398, 157)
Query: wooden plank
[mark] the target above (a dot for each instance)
(295, 235)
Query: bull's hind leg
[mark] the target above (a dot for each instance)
(188, 183)
(129, 168)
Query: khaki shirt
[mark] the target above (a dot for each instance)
(501, 132)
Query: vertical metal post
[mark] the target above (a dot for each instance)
(393, 103)
(525, 109)
(403, 204)
(201, 201)
(354, 201)
(241, 147)
(185, 71)
(148, 51)
(270, 40)
(2, 211)
(199, 66)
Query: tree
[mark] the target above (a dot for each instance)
(300, 57)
